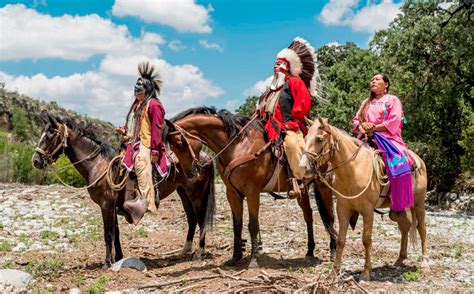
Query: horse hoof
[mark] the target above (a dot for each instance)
(253, 263)
(105, 267)
(364, 277)
(199, 254)
(398, 263)
(233, 262)
(425, 265)
(332, 255)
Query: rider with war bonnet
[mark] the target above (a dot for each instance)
(142, 133)
(287, 102)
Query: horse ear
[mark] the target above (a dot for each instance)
(324, 123)
(52, 120)
(44, 116)
(170, 125)
(308, 121)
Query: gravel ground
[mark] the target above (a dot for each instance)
(55, 233)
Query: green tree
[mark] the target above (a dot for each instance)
(22, 127)
(345, 72)
(249, 106)
(430, 53)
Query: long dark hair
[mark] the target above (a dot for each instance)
(372, 96)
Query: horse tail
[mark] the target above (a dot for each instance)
(326, 213)
(412, 236)
(210, 194)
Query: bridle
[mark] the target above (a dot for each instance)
(196, 161)
(62, 136)
(333, 146)
(316, 157)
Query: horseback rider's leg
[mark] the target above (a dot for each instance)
(143, 170)
(294, 147)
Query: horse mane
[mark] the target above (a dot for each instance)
(106, 150)
(233, 123)
(354, 140)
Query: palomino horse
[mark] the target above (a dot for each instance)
(357, 173)
(246, 166)
(91, 158)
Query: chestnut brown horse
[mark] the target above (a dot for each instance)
(91, 158)
(246, 166)
(358, 184)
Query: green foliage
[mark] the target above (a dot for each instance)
(15, 165)
(5, 246)
(467, 143)
(99, 286)
(23, 128)
(249, 106)
(412, 276)
(429, 50)
(346, 71)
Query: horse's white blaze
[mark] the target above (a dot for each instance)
(304, 162)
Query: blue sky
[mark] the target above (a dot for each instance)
(83, 54)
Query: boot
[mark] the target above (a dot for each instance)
(136, 207)
(295, 192)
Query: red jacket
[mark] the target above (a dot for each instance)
(300, 104)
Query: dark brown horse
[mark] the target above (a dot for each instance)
(91, 158)
(246, 166)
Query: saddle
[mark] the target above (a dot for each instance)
(135, 204)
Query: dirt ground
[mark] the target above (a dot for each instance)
(55, 233)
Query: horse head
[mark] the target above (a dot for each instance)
(186, 147)
(317, 145)
(52, 142)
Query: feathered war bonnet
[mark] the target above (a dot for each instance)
(302, 59)
(149, 80)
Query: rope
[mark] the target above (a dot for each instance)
(325, 182)
(116, 186)
(79, 188)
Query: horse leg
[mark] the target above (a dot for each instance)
(118, 247)
(367, 241)
(421, 226)
(200, 207)
(303, 202)
(404, 224)
(253, 203)
(109, 219)
(237, 206)
(343, 215)
(191, 218)
(325, 205)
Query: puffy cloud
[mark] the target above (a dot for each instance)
(176, 45)
(182, 15)
(369, 18)
(27, 34)
(107, 93)
(259, 87)
(337, 11)
(207, 45)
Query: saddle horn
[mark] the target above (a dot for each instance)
(308, 121)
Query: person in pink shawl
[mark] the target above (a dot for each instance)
(382, 113)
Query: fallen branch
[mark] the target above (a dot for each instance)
(162, 284)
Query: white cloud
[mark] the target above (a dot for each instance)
(337, 11)
(369, 18)
(107, 93)
(27, 34)
(333, 44)
(259, 87)
(182, 15)
(207, 45)
(176, 45)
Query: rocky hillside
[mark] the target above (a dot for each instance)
(11, 102)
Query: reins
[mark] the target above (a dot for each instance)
(63, 145)
(231, 141)
(321, 175)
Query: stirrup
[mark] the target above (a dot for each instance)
(296, 191)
